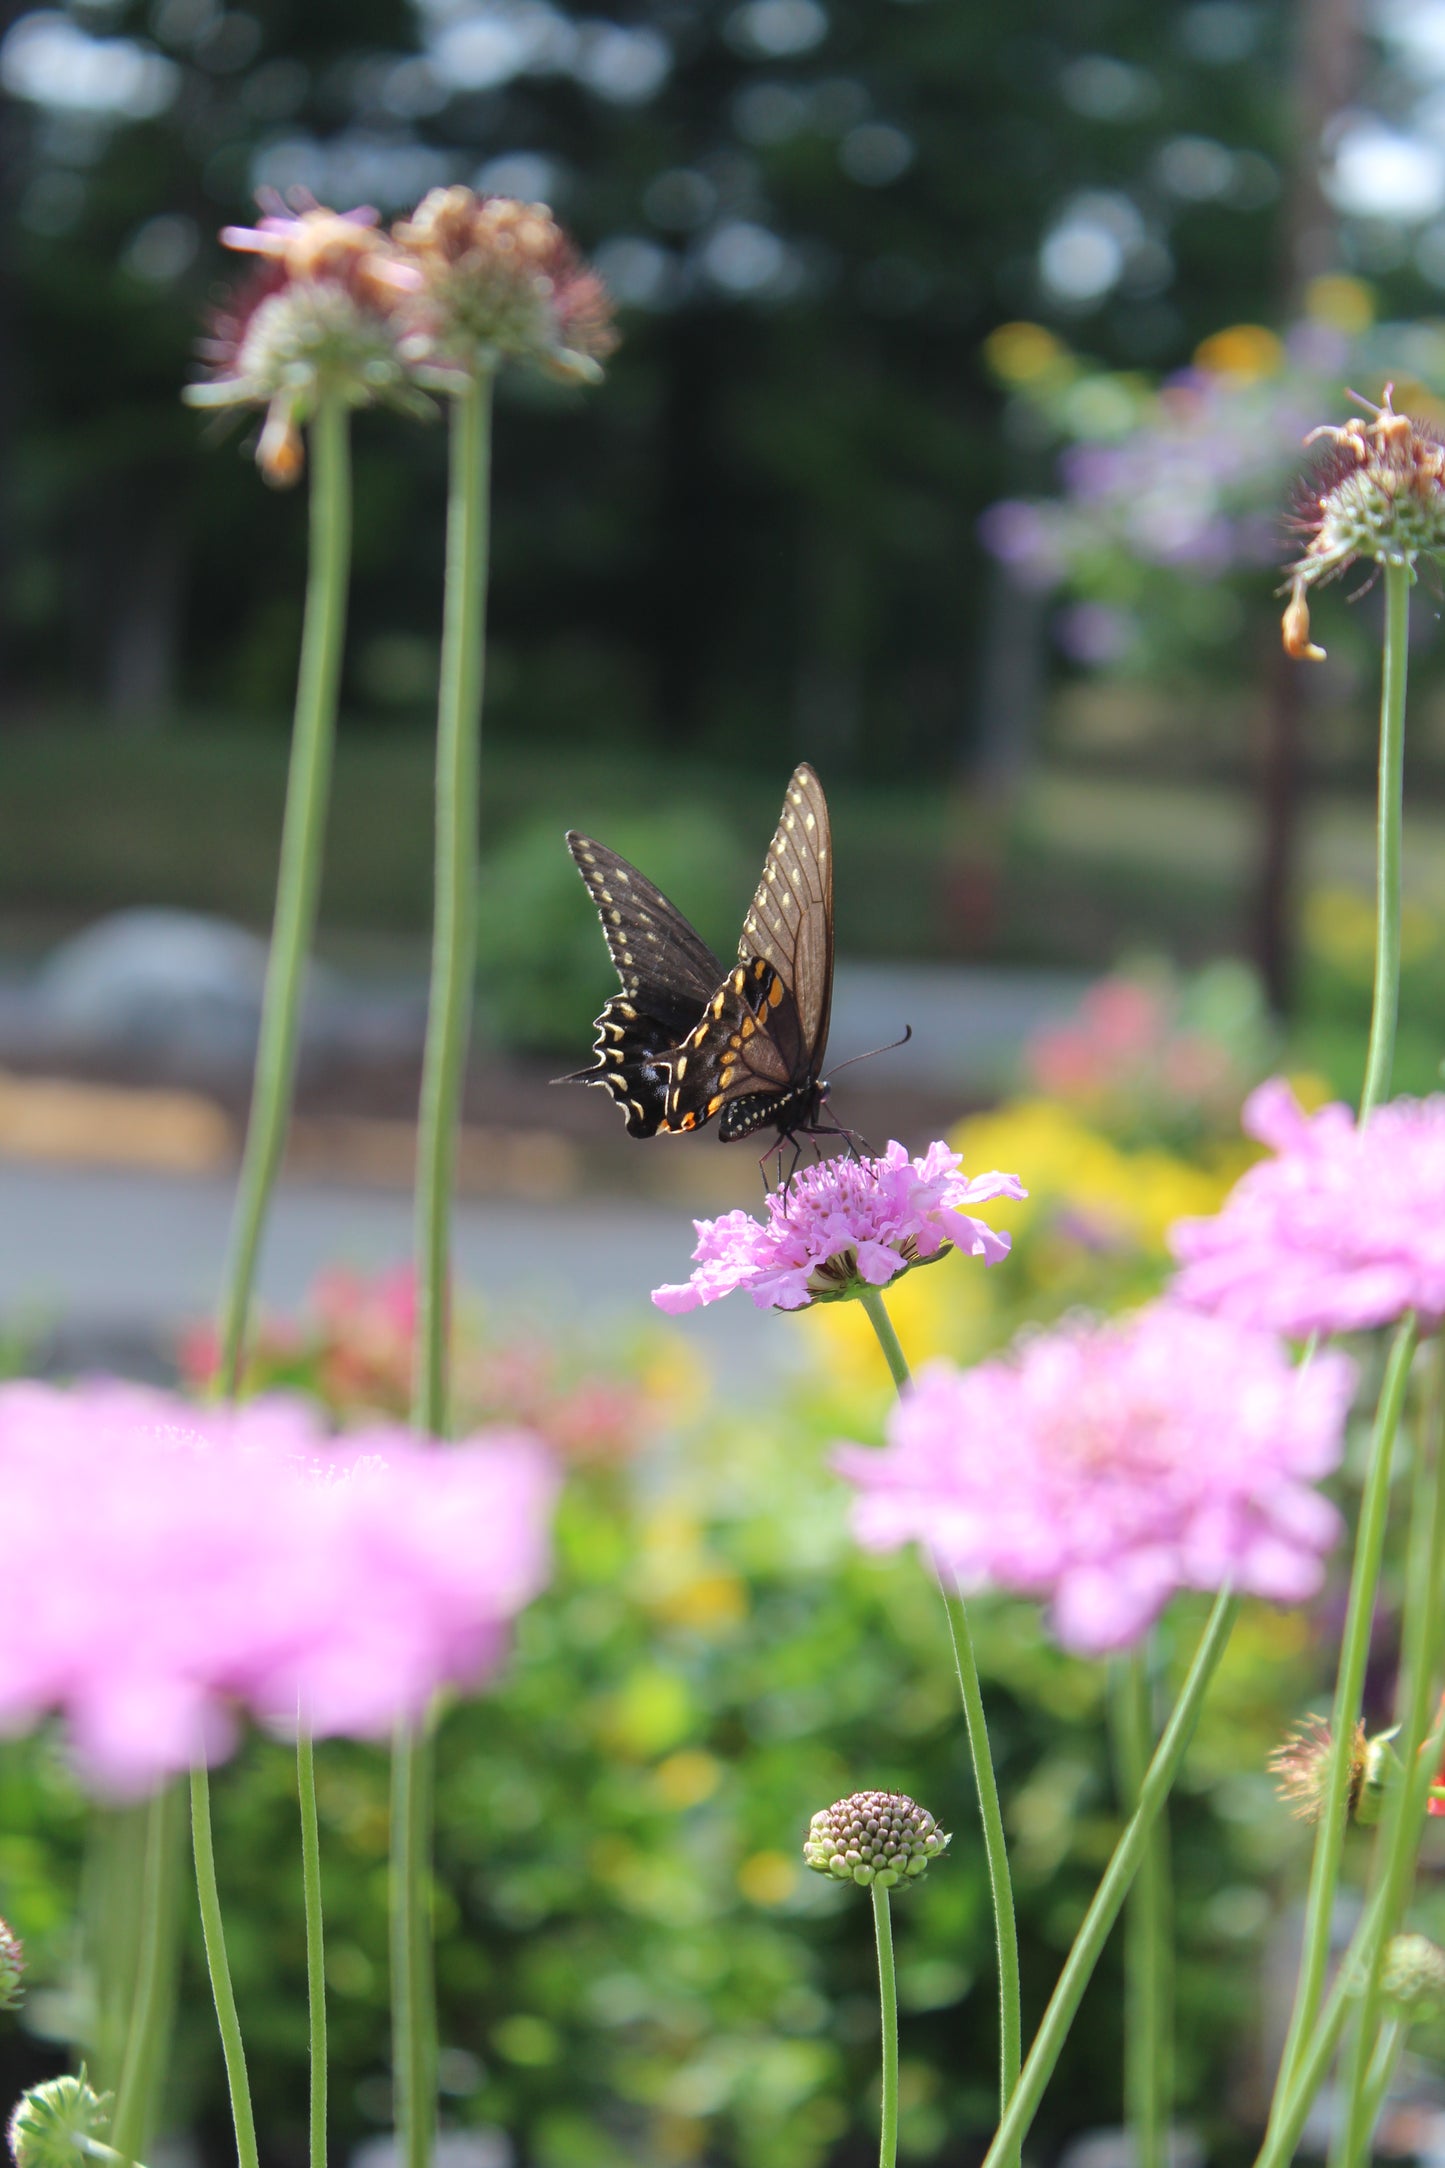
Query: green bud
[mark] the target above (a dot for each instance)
(12, 1967)
(882, 1837)
(52, 2122)
(1413, 1978)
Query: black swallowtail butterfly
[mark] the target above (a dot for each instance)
(686, 1040)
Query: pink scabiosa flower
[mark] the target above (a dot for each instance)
(1101, 1467)
(319, 315)
(1342, 1230)
(500, 281)
(843, 1225)
(170, 1569)
(1378, 492)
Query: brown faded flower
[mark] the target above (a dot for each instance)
(318, 316)
(501, 281)
(1377, 492)
(1300, 1767)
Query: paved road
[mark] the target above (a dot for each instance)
(120, 1259)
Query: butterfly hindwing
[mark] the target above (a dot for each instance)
(667, 972)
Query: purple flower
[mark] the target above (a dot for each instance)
(1343, 1229)
(842, 1224)
(1102, 1467)
(1029, 538)
(169, 1567)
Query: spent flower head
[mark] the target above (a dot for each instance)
(882, 1837)
(500, 281)
(317, 318)
(54, 2125)
(1300, 1767)
(841, 1226)
(1103, 1466)
(12, 1967)
(1342, 1230)
(1377, 492)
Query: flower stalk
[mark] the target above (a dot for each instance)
(1349, 1688)
(1379, 1061)
(157, 1924)
(1005, 1924)
(213, 1934)
(1394, 1865)
(449, 1011)
(315, 1937)
(1114, 1888)
(1148, 2012)
(888, 1998)
(302, 838)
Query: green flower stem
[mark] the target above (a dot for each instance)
(298, 883)
(298, 880)
(1287, 2120)
(154, 1970)
(1394, 1866)
(1113, 1889)
(315, 1934)
(112, 1885)
(1148, 1997)
(1380, 1060)
(995, 1845)
(449, 1010)
(1349, 1687)
(1006, 1939)
(214, 1936)
(413, 2005)
(454, 934)
(872, 1301)
(888, 1997)
(1382, 2069)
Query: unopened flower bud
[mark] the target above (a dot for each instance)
(1413, 1977)
(500, 281)
(12, 1967)
(882, 1837)
(50, 2123)
(1378, 492)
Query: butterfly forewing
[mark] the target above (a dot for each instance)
(790, 920)
(651, 944)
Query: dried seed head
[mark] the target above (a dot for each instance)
(500, 281)
(882, 1837)
(1377, 492)
(318, 316)
(1300, 1767)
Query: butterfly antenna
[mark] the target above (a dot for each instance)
(890, 1048)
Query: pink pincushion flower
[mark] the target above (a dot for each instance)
(1102, 1467)
(844, 1223)
(168, 1568)
(1343, 1229)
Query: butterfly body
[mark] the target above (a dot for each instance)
(685, 1041)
